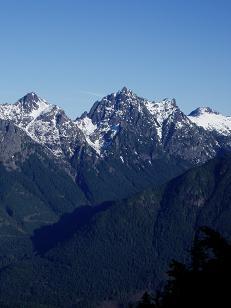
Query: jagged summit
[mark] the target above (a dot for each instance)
(124, 111)
(202, 110)
(125, 91)
(125, 99)
(31, 104)
(123, 95)
(30, 98)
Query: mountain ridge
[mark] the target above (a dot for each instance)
(123, 140)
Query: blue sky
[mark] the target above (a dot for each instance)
(73, 52)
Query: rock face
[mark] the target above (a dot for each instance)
(16, 145)
(124, 143)
(11, 139)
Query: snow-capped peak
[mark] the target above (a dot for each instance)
(211, 120)
(88, 128)
(122, 109)
(25, 110)
(202, 110)
(45, 123)
(31, 101)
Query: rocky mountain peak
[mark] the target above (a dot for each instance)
(45, 123)
(31, 97)
(125, 91)
(202, 110)
(116, 104)
(124, 112)
(31, 101)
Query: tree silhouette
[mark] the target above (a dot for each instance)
(146, 301)
(205, 282)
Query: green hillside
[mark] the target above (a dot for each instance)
(123, 248)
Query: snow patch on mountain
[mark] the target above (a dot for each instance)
(161, 111)
(88, 128)
(211, 120)
(86, 125)
(98, 137)
(42, 106)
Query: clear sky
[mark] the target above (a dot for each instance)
(72, 52)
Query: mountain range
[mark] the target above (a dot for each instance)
(99, 132)
(123, 141)
(129, 180)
